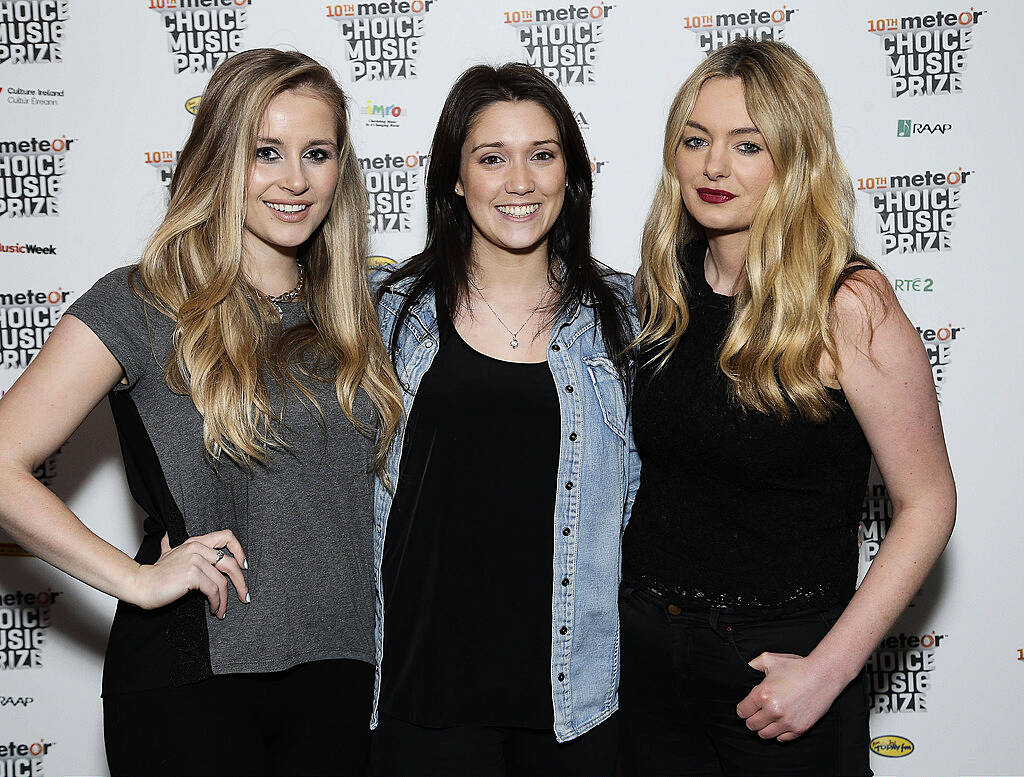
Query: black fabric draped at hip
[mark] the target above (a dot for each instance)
(467, 568)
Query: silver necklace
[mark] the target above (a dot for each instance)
(514, 342)
(288, 296)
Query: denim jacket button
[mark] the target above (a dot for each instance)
(564, 630)
(428, 344)
(566, 531)
(572, 436)
(561, 677)
(569, 389)
(565, 581)
(568, 485)
(556, 347)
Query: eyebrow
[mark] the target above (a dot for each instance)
(316, 142)
(499, 144)
(737, 131)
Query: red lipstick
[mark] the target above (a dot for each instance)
(716, 196)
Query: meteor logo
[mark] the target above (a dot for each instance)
(202, 33)
(938, 343)
(562, 43)
(24, 621)
(30, 175)
(899, 672)
(164, 162)
(926, 54)
(382, 39)
(392, 182)
(26, 320)
(714, 31)
(32, 30)
(24, 759)
(915, 212)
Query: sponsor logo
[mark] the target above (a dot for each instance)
(939, 345)
(24, 623)
(30, 175)
(905, 128)
(26, 320)
(379, 261)
(27, 248)
(45, 97)
(32, 30)
(899, 671)
(382, 39)
(382, 115)
(581, 119)
(562, 42)
(192, 104)
(913, 284)
(915, 212)
(892, 746)
(714, 31)
(202, 33)
(15, 701)
(392, 183)
(926, 54)
(24, 759)
(164, 162)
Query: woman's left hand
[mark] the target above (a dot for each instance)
(794, 694)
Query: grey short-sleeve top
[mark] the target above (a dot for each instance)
(304, 519)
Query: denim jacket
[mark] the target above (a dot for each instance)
(598, 476)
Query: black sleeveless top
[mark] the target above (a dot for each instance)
(737, 508)
(469, 547)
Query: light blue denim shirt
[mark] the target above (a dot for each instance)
(598, 476)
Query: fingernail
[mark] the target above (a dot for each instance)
(248, 599)
(245, 564)
(221, 617)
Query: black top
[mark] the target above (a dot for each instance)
(738, 508)
(468, 554)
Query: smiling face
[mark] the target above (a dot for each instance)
(722, 163)
(293, 177)
(512, 176)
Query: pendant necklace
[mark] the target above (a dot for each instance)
(514, 342)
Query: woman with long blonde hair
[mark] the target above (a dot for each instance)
(254, 401)
(776, 361)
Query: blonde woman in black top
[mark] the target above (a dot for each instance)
(776, 361)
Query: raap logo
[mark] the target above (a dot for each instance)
(42, 97)
(27, 248)
(905, 128)
(24, 621)
(15, 701)
(926, 54)
(382, 115)
(916, 212)
(563, 42)
(32, 30)
(714, 31)
(938, 343)
(26, 320)
(164, 162)
(382, 39)
(192, 104)
(899, 671)
(24, 759)
(30, 175)
(392, 182)
(202, 33)
(892, 746)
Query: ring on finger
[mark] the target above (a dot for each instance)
(220, 555)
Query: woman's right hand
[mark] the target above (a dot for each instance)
(195, 565)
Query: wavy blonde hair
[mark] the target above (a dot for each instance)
(802, 246)
(227, 333)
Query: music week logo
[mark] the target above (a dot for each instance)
(30, 175)
(562, 42)
(714, 31)
(202, 33)
(32, 31)
(382, 39)
(915, 212)
(926, 54)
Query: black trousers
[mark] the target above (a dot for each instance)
(684, 674)
(400, 749)
(313, 719)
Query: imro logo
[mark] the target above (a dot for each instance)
(392, 182)
(32, 30)
(926, 54)
(382, 40)
(30, 175)
(906, 127)
(562, 42)
(915, 212)
(714, 31)
(381, 114)
(202, 33)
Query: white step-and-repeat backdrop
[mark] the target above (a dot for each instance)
(96, 99)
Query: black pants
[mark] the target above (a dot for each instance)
(400, 749)
(310, 720)
(684, 674)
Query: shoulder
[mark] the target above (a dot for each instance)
(117, 291)
(620, 283)
(863, 301)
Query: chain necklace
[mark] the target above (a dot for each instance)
(288, 296)
(514, 342)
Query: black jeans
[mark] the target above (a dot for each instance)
(313, 719)
(400, 749)
(684, 674)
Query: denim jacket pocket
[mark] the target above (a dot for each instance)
(608, 388)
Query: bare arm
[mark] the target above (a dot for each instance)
(888, 383)
(69, 376)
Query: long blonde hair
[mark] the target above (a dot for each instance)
(227, 333)
(801, 248)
